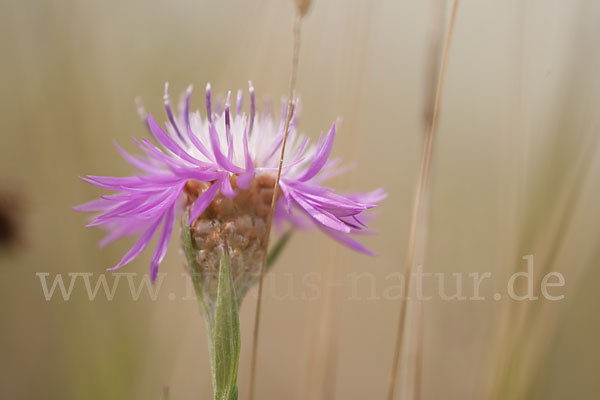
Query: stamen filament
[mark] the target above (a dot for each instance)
(208, 104)
(170, 113)
(252, 107)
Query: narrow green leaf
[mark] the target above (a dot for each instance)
(276, 250)
(226, 334)
(194, 269)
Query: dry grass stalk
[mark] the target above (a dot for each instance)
(528, 328)
(290, 107)
(435, 41)
(319, 371)
(419, 206)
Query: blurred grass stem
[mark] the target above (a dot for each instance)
(290, 107)
(422, 185)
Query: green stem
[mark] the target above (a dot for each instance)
(222, 321)
(226, 335)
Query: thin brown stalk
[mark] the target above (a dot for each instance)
(418, 373)
(422, 185)
(290, 108)
(318, 380)
(435, 42)
(321, 363)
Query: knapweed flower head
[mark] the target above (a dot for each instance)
(218, 171)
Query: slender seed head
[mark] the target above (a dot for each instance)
(303, 6)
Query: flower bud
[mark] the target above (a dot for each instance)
(240, 224)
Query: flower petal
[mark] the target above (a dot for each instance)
(163, 242)
(321, 155)
(203, 201)
(137, 162)
(170, 144)
(346, 240)
(191, 135)
(223, 161)
(322, 217)
(245, 178)
(139, 246)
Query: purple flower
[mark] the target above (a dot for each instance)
(204, 162)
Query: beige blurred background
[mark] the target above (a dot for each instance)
(516, 172)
